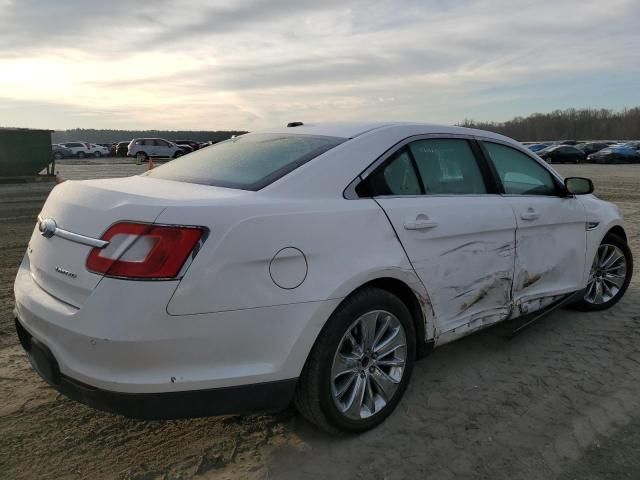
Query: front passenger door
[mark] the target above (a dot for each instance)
(457, 231)
(551, 235)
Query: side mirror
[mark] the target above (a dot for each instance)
(578, 185)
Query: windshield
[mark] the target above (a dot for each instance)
(248, 162)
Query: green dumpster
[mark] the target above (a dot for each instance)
(24, 152)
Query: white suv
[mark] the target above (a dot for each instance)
(79, 149)
(153, 147)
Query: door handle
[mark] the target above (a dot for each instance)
(422, 222)
(530, 214)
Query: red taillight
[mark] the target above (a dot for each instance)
(138, 250)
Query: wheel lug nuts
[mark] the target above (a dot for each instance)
(371, 369)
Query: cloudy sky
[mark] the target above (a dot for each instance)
(246, 64)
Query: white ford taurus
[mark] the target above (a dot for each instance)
(313, 263)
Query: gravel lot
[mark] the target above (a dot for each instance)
(560, 400)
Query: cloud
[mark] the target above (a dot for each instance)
(251, 63)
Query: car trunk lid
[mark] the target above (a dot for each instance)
(89, 208)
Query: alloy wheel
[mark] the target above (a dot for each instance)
(608, 274)
(368, 365)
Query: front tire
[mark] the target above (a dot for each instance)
(80, 154)
(360, 365)
(610, 275)
(97, 154)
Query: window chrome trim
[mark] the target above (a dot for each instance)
(439, 195)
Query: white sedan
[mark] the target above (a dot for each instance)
(312, 263)
(99, 150)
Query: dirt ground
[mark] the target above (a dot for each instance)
(561, 400)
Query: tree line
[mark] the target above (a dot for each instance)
(109, 136)
(573, 124)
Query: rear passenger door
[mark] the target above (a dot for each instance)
(551, 234)
(457, 231)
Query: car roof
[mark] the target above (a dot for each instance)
(354, 129)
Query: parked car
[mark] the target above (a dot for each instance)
(153, 147)
(122, 148)
(99, 150)
(112, 149)
(615, 154)
(79, 149)
(634, 144)
(592, 147)
(562, 154)
(60, 151)
(536, 147)
(186, 148)
(194, 145)
(236, 278)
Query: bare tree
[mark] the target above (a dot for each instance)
(583, 124)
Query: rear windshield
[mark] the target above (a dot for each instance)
(248, 162)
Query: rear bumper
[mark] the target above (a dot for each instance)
(123, 340)
(263, 397)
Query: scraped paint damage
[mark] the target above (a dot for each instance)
(496, 285)
(530, 279)
(477, 301)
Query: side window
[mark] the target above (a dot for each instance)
(161, 143)
(150, 142)
(520, 174)
(447, 166)
(397, 177)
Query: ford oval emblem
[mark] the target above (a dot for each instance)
(47, 227)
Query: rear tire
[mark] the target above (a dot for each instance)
(81, 154)
(97, 154)
(57, 156)
(360, 365)
(610, 275)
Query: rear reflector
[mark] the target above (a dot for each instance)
(138, 250)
